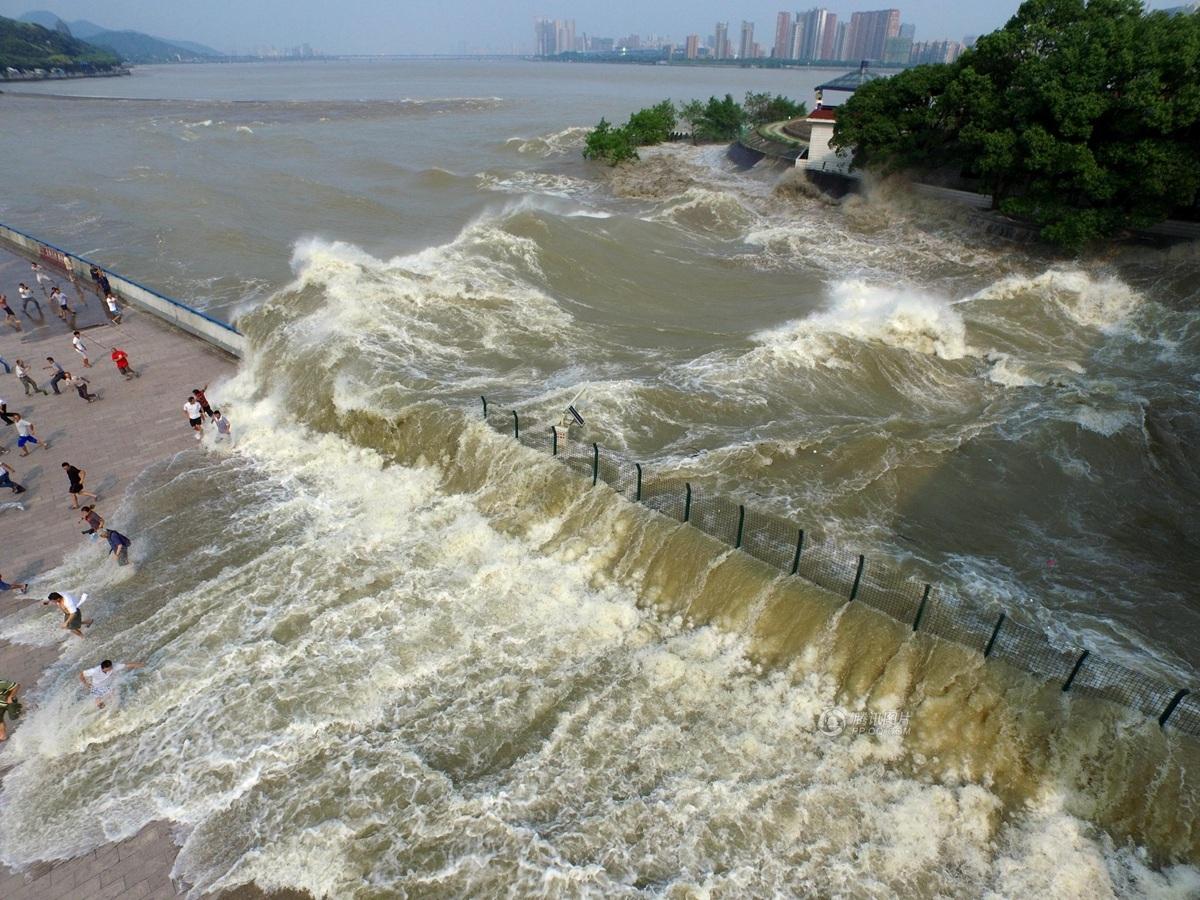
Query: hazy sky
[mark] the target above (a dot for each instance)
(441, 26)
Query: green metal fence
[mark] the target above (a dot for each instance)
(797, 551)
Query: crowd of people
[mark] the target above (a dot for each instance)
(101, 680)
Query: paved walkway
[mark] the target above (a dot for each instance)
(134, 424)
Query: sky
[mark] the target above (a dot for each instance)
(503, 26)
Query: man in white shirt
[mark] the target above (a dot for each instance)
(45, 282)
(101, 681)
(81, 348)
(194, 413)
(72, 616)
(26, 298)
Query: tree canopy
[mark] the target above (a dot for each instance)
(1082, 116)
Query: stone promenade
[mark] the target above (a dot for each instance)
(134, 424)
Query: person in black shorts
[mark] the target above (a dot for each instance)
(75, 478)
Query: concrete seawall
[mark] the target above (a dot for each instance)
(58, 261)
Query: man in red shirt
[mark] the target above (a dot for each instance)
(121, 358)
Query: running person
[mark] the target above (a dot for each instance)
(224, 428)
(101, 681)
(118, 545)
(9, 704)
(73, 620)
(45, 282)
(121, 358)
(75, 478)
(5, 586)
(198, 393)
(114, 309)
(81, 349)
(6, 479)
(27, 298)
(92, 519)
(194, 412)
(26, 434)
(26, 380)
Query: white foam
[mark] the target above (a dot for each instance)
(903, 318)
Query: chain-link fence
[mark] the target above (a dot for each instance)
(797, 551)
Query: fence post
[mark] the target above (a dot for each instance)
(1179, 695)
(516, 426)
(987, 651)
(484, 399)
(595, 463)
(857, 577)
(638, 497)
(921, 608)
(799, 550)
(1075, 671)
(553, 441)
(741, 525)
(687, 503)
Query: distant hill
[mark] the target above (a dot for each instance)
(136, 47)
(24, 45)
(132, 46)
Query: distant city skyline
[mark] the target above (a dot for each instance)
(504, 26)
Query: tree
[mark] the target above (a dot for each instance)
(691, 112)
(610, 144)
(763, 108)
(652, 125)
(1082, 116)
(721, 120)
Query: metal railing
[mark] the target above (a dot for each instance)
(797, 551)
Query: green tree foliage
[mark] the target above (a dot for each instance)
(652, 125)
(1082, 116)
(721, 120)
(646, 127)
(613, 145)
(763, 108)
(26, 46)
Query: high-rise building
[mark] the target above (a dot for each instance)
(930, 52)
(897, 50)
(746, 47)
(838, 50)
(908, 30)
(693, 46)
(564, 35)
(868, 33)
(721, 41)
(783, 36)
(553, 36)
(818, 29)
(545, 37)
(796, 50)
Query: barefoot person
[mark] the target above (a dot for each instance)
(92, 519)
(26, 434)
(121, 359)
(101, 681)
(6, 479)
(118, 545)
(9, 704)
(75, 478)
(73, 620)
(23, 587)
(224, 428)
(81, 348)
(194, 413)
(27, 298)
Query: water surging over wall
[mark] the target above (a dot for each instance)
(392, 652)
